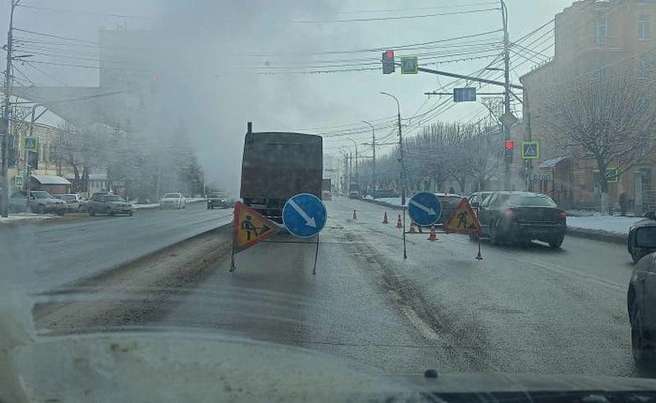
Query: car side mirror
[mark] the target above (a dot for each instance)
(650, 215)
(476, 204)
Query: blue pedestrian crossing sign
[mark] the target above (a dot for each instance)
(304, 215)
(530, 150)
(30, 144)
(425, 208)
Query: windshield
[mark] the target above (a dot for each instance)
(42, 195)
(299, 174)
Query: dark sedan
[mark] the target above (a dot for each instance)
(219, 199)
(642, 237)
(520, 217)
(641, 301)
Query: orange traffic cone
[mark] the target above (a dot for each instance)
(399, 224)
(355, 217)
(413, 230)
(385, 219)
(433, 236)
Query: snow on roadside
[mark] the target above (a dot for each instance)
(616, 225)
(25, 217)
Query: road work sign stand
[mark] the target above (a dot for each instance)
(304, 216)
(249, 228)
(465, 221)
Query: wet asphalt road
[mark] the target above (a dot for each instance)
(42, 256)
(520, 310)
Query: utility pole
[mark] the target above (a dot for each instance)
(4, 199)
(373, 147)
(506, 97)
(357, 171)
(403, 174)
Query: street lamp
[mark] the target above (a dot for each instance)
(403, 173)
(373, 147)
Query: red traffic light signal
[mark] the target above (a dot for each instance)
(510, 144)
(388, 62)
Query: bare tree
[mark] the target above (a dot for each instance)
(485, 156)
(607, 119)
(80, 150)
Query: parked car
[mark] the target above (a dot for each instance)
(41, 202)
(642, 237)
(520, 217)
(75, 202)
(449, 202)
(219, 199)
(641, 301)
(18, 202)
(173, 200)
(110, 204)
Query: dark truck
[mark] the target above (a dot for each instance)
(326, 189)
(277, 166)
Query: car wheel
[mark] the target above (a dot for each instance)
(555, 242)
(495, 239)
(130, 213)
(92, 213)
(41, 210)
(61, 213)
(643, 353)
(109, 211)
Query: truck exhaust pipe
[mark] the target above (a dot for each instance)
(249, 127)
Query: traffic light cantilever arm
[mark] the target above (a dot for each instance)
(470, 78)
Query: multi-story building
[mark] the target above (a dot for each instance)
(592, 38)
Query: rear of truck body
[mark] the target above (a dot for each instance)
(277, 166)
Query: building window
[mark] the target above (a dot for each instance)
(601, 31)
(644, 25)
(644, 68)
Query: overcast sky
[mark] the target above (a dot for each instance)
(220, 48)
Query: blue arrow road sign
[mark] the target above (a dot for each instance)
(304, 215)
(425, 208)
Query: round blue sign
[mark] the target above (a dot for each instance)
(304, 215)
(425, 208)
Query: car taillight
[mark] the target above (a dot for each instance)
(509, 213)
(562, 214)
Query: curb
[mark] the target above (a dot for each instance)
(595, 235)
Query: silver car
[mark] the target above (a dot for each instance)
(109, 204)
(75, 202)
(173, 200)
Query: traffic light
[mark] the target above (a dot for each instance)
(510, 147)
(388, 62)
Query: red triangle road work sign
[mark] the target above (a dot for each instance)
(463, 220)
(250, 227)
